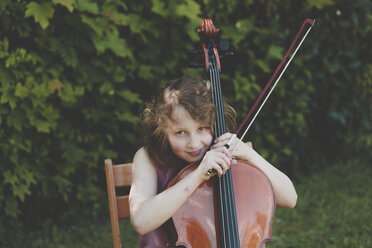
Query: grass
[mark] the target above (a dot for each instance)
(334, 209)
(78, 235)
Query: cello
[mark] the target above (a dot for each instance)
(237, 209)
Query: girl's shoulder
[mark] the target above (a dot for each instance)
(144, 168)
(142, 161)
(140, 153)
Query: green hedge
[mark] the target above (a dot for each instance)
(74, 75)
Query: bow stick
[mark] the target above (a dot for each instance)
(228, 144)
(307, 21)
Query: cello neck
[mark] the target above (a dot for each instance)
(227, 220)
(220, 123)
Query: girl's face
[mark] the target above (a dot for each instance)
(188, 138)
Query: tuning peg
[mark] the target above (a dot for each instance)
(225, 54)
(224, 45)
(195, 52)
(196, 65)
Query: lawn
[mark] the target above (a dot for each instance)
(334, 209)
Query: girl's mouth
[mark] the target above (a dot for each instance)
(195, 153)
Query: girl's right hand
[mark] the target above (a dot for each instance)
(218, 159)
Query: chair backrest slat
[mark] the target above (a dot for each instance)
(117, 176)
(122, 175)
(123, 207)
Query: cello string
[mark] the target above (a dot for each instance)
(231, 218)
(214, 98)
(221, 197)
(230, 191)
(224, 179)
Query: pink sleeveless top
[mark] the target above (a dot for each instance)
(158, 238)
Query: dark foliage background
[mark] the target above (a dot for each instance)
(74, 76)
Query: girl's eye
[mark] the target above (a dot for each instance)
(180, 132)
(203, 128)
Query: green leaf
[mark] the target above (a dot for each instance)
(98, 24)
(21, 91)
(16, 119)
(41, 126)
(69, 4)
(230, 32)
(68, 55)
(67, 94)
(10, 178)
(21, 191)
(190, 9)
(11, 207)
(320, 3)
(275, 52)
(106, 88)
(145, 71)
(263, 65)
(64, 186)
(20, 55)
(86, 5)
(41, 13)
(158, 7)
(74, 153)
(130, 96)
(115, 43)
(4, 46)
(55, 84)
(116, 17)
(137, 24)
(8, 98)
(244, 26)
(126, 116)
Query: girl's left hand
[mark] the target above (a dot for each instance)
(237, 147)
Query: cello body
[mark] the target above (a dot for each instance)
(196, 221)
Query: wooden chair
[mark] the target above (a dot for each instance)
(118, 177)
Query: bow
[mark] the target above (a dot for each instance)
(268, 84)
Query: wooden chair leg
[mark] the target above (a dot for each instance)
(112, 203)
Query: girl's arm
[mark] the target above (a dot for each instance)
(145, 203)
(285, 193)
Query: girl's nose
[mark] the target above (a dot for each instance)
(193, 141)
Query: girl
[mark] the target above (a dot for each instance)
(178, 129)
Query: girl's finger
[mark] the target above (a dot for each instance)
(222, 149)
(218, 161)
(223, 137)
(224, 163)
(219, 144)
(217, 168)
